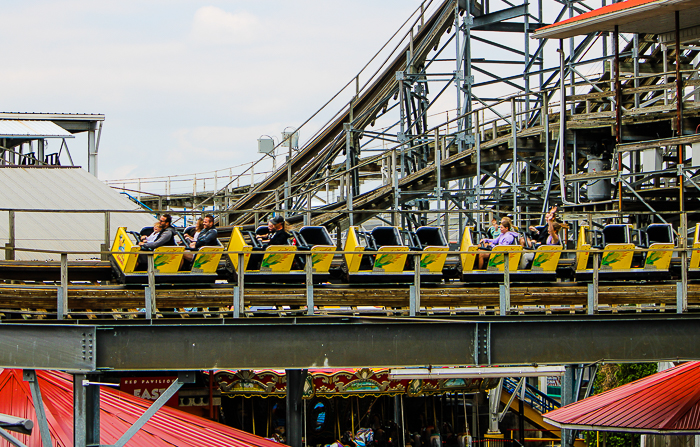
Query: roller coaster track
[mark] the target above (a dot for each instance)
(531, 131)
(322, 149)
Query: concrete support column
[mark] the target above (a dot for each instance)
(86, 411)
(92, 412)
(399, 420)
(92, 151)
(41, 144)
(295, 419)
(79, 411)
(494, 402)
(568, 386)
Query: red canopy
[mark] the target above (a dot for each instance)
(631, 16)
(118, 411)
(667, 402)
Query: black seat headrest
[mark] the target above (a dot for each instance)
(431, 236)
(386, 236)
(316, 235)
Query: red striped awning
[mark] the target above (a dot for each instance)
(118, 411)
(631, 16)
(667, 402)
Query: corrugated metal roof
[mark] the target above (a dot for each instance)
(631, 16)
(118, 412)
(666, 402)
(32, 129)
(61, 189)
(53, 116)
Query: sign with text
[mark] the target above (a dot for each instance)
(149, 388)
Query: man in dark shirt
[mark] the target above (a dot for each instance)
(279, 235)
(208, 235)
(166, 236)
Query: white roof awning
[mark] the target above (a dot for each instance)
(32, 129)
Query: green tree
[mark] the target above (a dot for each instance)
(611, 376)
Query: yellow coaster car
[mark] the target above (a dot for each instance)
(385, 258)
(544, 262)
(281, 263)
(618, 258)
(168, 262)
(694, 267)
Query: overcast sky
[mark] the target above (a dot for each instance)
(186, 86)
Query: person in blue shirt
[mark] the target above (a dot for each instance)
(493, 230)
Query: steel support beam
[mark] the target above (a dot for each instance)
(29, 375)
(29, 346)
(11, 439)
(182, 378)
(364, 342)
(352, 342)
(499, 16)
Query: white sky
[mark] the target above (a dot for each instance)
(186, 86)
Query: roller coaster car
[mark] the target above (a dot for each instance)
(168, 261)
(694, 267)
(543, 268)
(384, 260)
(618, 253)
(279, 263)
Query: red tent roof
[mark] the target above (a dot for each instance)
(632, 16)
(118, 411)
(666, 402)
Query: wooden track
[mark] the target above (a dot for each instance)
(51, 271)
(113, 301)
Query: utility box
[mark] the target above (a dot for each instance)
(265, 145)
(290, 138)
(695, 150)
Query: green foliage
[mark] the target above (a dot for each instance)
(612, 376)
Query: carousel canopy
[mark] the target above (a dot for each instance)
(667, 402)
(343, 382)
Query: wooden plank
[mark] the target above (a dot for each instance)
(584, 176)
(651, 144)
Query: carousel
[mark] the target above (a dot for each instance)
(351, 405)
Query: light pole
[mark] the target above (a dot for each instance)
(291, 140)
